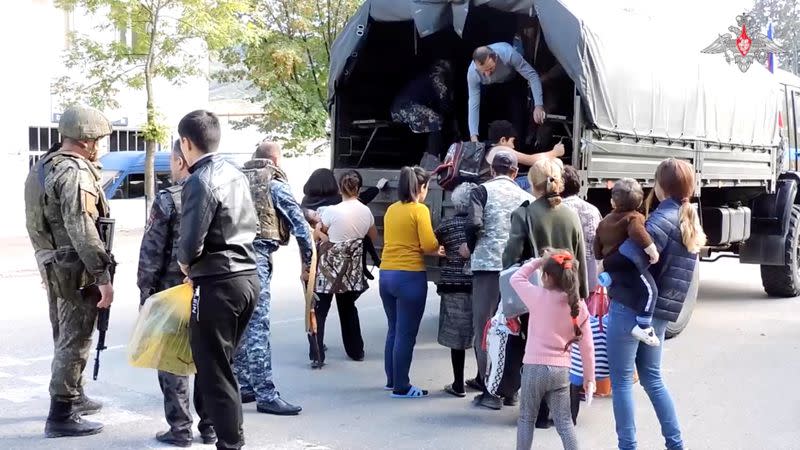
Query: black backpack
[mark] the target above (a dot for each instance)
(463, 163)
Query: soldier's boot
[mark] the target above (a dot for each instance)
(86, 406)
(63, 421)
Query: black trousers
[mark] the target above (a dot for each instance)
(351, 326)
(505, 101)
(176, 405)
(220, 312)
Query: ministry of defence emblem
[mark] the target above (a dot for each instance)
(744, 44)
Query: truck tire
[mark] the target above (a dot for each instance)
(675, 328)
(784, 281)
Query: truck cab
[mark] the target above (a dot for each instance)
(622, 117)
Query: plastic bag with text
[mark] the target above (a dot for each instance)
(160, 338)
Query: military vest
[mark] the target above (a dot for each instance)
(271, 225)
(503, 197)
(48, 229)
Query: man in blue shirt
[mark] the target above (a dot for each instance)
(496, 76)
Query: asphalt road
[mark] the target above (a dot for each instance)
(730, 373)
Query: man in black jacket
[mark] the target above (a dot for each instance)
(218, 226)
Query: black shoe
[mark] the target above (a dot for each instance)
(63, 421)
(544, 424)
(511, 401)
(86, 406)
(279, 407)
(209, 436)
(490, 401)
(249, 397)
(168, 437)
(317, 364)
(474, 384)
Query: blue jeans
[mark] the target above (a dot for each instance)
(403, 294)
(623, 352)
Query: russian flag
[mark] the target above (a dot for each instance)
(771, 59)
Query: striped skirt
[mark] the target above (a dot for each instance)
(455, 320)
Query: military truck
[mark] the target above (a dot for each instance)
(636, 99)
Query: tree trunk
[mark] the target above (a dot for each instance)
(150, 144)
(150, 150)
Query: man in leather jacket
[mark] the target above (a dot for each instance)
(218, 225)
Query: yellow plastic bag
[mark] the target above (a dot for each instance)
(160, 338)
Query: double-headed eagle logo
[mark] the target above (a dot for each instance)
(743, 44)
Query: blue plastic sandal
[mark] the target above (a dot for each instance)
(413, 392)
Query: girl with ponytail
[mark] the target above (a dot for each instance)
(678, 236)
(558, 319)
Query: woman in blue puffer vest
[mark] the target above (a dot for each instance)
(676, 231)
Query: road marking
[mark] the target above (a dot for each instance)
(8, 361)
(110, 416)
(22, 395)
(310, 446)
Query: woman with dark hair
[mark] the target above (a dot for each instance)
(408, 237)
(320, 190)
(344, 226)
(426, 105)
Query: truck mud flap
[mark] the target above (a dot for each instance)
(771, 214)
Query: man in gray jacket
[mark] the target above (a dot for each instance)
(491, 205)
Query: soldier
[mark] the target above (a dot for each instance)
(63, 204)
(279, 214)
(159, 270)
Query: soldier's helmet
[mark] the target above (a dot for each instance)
(83, 123)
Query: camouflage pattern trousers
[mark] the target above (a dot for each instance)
(73, 321)
(176, 405)
(253, 361)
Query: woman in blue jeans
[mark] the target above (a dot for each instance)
(677, 233)
(408, 236)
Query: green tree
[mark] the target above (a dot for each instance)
(785, 18)
(168, 39)
(288, 65)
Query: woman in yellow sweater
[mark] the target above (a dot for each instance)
(408, 237)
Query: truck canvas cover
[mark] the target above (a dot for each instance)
(637, 75)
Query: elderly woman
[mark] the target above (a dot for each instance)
(545, 223)
(589, 216)
(455, 288)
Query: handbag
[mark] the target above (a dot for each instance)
(510, 300)
(495, 340)
(598, 304)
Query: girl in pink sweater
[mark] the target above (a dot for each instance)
(558, 318)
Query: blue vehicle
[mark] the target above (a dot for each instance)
(123, 173)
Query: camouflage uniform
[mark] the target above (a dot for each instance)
(159, 270)
(279, 214)
(63, 202)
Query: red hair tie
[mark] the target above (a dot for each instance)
(575, 321)
(564, 260)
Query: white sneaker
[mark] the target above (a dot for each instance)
(646, 335)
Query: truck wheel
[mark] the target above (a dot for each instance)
(675, 328)
(784, 281)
